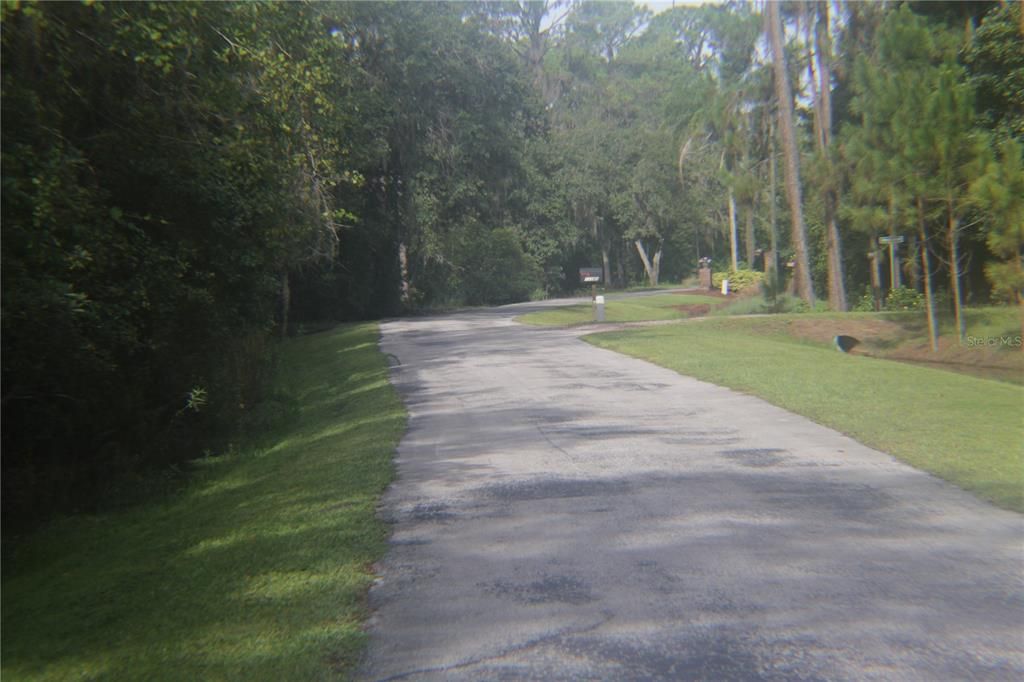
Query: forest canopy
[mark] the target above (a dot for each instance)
(182, 182)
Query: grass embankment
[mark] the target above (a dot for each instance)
(638, 309)
(966, 430)
(257, 571)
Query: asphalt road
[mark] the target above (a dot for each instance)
(563, 512)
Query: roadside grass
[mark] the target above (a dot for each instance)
(639, 309)
(995, 322)
(757, 305)
(991, 349)
(647, 287)
(964, 429)
(258, 570)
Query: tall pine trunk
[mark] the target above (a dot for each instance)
(876, 276)
(750, 243)
(821, 87)
(953, 237)
(733, 247)
(929, 296)
(773, 192)
(836, 288)
(783, 94)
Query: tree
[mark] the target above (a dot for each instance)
(916, 128)
(165, 168)
(819, 62)
(995, 63)
(947, 121)
(529, 26)
(1000, 192)
(784, 97)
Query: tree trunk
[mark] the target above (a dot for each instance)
(876, 276)
(823, 135)
(286, 302)
(954, 270)
(751, 246)
(605, 260)
(773, 191)
(733, 247)
(836, 287)
(1020, 265)
(933, 326)
(650, 268)
(914, 263)
(403, 268)
(783, 94)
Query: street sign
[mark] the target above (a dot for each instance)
(591, 275)
(891, 240)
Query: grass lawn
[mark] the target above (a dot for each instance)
(967, 430)
(637, 309)
(257, 571)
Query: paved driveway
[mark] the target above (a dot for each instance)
(565, 512)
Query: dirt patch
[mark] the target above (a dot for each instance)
(902, 341)
(876, 334)
(702, 309)
(985, 362)
(694, 309)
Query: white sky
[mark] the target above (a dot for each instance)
(658, 6)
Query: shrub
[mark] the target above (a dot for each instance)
(772, 291)
(739, 280)
(904, 298)
(865, 303)
(498, 271)
(784, 303)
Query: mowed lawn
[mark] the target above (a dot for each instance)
(257, 571)
(635, 309)
(967, 430)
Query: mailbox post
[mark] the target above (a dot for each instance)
(592, 276)
(704, 272)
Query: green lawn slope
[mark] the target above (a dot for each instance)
(257, 571)
(967, 430)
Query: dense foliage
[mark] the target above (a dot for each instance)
(181, 181)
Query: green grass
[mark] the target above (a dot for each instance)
(638, 309)
(257, 571)
(966, 430)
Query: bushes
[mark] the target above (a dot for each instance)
(149, 209)
(496, 271)
(739, 280)
(903, 298)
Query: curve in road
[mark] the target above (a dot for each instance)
(565, 512)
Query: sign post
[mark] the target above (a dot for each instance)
(894, 259)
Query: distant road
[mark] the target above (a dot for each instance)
(563, 512)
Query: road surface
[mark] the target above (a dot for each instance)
(562, 512)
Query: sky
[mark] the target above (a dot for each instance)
(658, 6)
